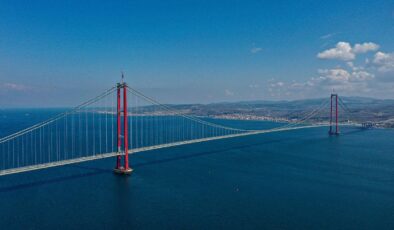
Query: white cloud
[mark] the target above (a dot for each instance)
(13, 86)
(384, 61)
(228, 92)
(327, 36)
(350, 64)
(365, 47)
(345, 52)
(342, 51)
(336, 74)
(254, 86)
(352, 77)
(277, 84)
(342, 76)
(362, 75)
(255, 50)
(278, 89)
(340, 79)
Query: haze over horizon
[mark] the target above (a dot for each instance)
(55, 54)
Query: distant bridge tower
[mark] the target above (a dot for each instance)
(125, 169)
(334, 99)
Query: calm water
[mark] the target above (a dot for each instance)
(289, 180)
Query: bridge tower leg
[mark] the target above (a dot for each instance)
(330, 131)
(336, 115)
(119, 128)
(125, 169)
(334, 99)
(126, 133)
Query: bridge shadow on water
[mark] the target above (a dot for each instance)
(355, 131)
(206, 153)
(94, 171)
(37, 183)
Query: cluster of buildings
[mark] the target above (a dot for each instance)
(238, 116)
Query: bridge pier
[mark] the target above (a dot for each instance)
(334, 98)
(125, 169)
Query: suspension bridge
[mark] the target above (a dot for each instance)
(123, 121)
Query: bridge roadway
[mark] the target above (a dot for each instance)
(148, 148)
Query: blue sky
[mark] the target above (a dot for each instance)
(59, 53)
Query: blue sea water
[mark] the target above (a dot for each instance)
(301, 179)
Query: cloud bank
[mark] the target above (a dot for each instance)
(373, 76)
(345, 52)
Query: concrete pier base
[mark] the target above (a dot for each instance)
(123, 171)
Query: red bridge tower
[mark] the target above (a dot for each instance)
(125, 169)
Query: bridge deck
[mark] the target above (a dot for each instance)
(132, 151)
